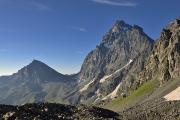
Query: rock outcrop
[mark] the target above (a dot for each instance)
(164, 62)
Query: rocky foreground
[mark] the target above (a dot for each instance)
(46, 111)
(151, 110)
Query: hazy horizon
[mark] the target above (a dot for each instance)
(61, 33)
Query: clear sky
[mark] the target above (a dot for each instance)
(60, 33)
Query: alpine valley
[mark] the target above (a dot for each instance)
(128, 73)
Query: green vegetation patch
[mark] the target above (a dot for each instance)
(166, 88)
(134, 96)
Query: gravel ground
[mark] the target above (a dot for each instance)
(158, 109)
(46, 111)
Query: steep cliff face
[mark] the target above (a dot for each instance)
(164, 62)
(110, 69)
(122, 43)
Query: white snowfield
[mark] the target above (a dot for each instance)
(174, 95)
(108, 76)
(86, 86)
(105, 78)
(113, 94)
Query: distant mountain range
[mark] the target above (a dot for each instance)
(126, 69)
(36, 82)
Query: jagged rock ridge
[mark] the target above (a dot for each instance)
(164, 62)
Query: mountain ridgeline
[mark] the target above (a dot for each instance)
(36, 82)
(125, 60)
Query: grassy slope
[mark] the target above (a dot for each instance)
(166, 88)
(136, 96)
(147, 91)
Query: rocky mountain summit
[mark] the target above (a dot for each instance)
(126, 42)
(109, 70)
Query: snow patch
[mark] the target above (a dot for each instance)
(108, 76)
(105, 78)
(97, 92)
(174, 95)
(130, 61)
(113, 94)
(86, 86)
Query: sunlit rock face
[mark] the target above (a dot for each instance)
(122, 43)
(164, 62)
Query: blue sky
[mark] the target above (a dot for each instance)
(62, 32)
